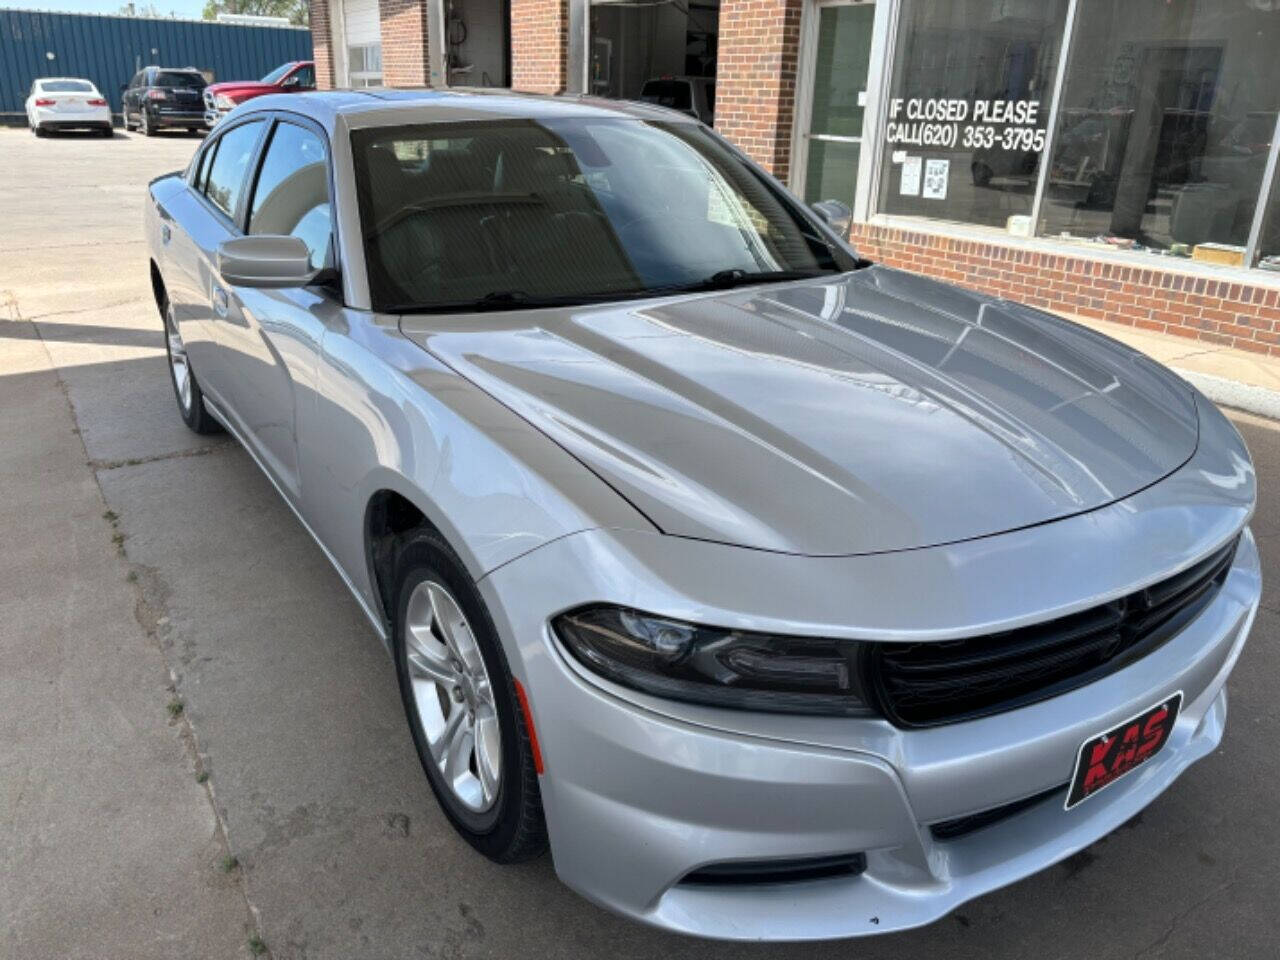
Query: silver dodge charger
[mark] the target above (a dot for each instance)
(781, 594)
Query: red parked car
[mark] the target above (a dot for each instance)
(221, 98)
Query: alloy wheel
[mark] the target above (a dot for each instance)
(178, 363)
(453, 696)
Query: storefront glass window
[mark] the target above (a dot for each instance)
(1167, 115)
(1269, 239)
(969, 105)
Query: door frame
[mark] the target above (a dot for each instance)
(870, 154)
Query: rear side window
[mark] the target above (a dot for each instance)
(230, 165)
(292, 195)
(180, 79)
(668, 93)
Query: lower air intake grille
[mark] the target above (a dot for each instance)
(779, 871)
(927, 684)
(963, 826)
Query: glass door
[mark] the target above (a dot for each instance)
(830, 144)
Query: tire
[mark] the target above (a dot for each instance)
(124, 119)
(107, 133)
(144, 125)
(39, 131)
(186, 388)
(511, 827)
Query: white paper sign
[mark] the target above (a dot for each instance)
(909, 184)
(935, 179)
(898, 156)
(862, 98)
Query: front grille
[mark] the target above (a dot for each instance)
(963, 826)
(926, 684)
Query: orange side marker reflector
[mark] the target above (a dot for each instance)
(528, 725)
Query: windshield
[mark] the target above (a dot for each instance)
(276, 74)
(66, 86)
(180, 79)
(498, 214)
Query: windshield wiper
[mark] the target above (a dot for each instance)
(737, 277)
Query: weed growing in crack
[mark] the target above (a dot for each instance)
(175, 708)
(256, 946)
(229, 863)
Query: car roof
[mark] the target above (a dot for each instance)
(55, 79)
(375, 107)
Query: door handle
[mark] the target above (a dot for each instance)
(220, 301)
(166, 234)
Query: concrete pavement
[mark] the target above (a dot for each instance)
(292, 705)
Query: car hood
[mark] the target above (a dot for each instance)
(229, 87)
(875, 411)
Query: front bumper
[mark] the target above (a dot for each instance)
(639, 792)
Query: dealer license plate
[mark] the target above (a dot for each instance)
(1105, 758)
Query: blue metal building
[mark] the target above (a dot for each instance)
(109, 50)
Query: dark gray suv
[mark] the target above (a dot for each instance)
(160, 97)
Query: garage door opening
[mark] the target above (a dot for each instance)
(663, 52)
(478, 37)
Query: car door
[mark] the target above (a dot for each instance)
(270, 340)
(132, 96)
(216, 208)
(185, 223)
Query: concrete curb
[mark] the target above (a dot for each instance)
(1233, 393)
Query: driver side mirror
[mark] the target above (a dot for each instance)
(835, 215)
(265, 261)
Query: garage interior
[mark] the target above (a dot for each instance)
(478, 37)
(636, 40)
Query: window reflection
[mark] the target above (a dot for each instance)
(1167, 116)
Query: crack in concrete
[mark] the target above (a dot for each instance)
(97, 465)
(1173, 924)
(150, 611)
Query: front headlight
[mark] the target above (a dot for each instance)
(716, 666)
(223, 102)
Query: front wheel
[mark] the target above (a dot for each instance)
(460, 698)
(186, 388)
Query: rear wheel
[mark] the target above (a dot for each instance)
(107, 132)
(186, 389)
(144, 125)
(466, 720)
(39, 131)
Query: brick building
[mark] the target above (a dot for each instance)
(1113, 159)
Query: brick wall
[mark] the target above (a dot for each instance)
(539, 45)
(404, 42)
(759, 48)
(1222, 312)
(322, 43)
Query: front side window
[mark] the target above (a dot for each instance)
(229, 166)
(969, 105)
(1167, 115)
(483, 215)
(304, 78)
(292, 195)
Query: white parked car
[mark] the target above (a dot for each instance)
(67, 103)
